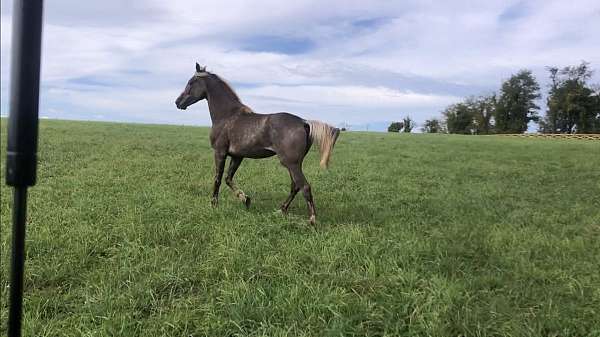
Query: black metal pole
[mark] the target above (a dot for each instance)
(18, 261)
(21, 155)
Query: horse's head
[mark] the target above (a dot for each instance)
(195, 89)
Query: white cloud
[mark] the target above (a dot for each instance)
(413, 57)
(349, 96)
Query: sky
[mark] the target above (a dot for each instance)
(360, 64)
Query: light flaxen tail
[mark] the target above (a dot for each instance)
(325, 135)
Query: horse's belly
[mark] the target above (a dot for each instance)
(252, 153)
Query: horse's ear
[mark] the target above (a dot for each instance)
(198, 68)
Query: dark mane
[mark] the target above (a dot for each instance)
(228, 89)
(226, 86)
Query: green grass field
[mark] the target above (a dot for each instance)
(417, 235)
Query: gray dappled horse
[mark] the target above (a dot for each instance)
(238, 132)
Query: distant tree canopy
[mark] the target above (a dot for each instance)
(573, 104)
(516, 106)
(459, 118)
(405, 126)
(432, 126)
(484, 109)
(408, 124)
(395, 127)
(472, 116)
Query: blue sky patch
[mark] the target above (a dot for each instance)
(514, 12)
(278, 44)
(370, 23)
(92, 81)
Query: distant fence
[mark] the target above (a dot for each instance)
(581, 136)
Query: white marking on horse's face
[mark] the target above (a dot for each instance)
(201, 74)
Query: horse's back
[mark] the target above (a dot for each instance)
(275, 124)
(263, 135)
(286, 119)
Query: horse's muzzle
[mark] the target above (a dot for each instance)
(179, 101)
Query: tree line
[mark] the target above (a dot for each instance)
(405, 126)
(573, 106)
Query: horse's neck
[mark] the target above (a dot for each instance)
(222, 104)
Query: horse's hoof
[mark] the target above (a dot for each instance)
(312, 220)
(247, 202)
(214, 202)
(284, 210)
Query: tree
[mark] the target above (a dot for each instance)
(573, 105)
(459, 118)
(550, 123)
(516, 105)
(408, 124)
(395, 127)
(432, 126)
(474, 115)
(483, 108)
(596, 107)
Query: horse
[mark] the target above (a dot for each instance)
(238, 132)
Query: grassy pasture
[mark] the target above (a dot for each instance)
(417, 235)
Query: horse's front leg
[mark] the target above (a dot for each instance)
(220, 158)
(233, 166)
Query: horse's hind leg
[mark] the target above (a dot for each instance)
(219, 167)
(233, 166)
(301, 183)
(293, 191)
